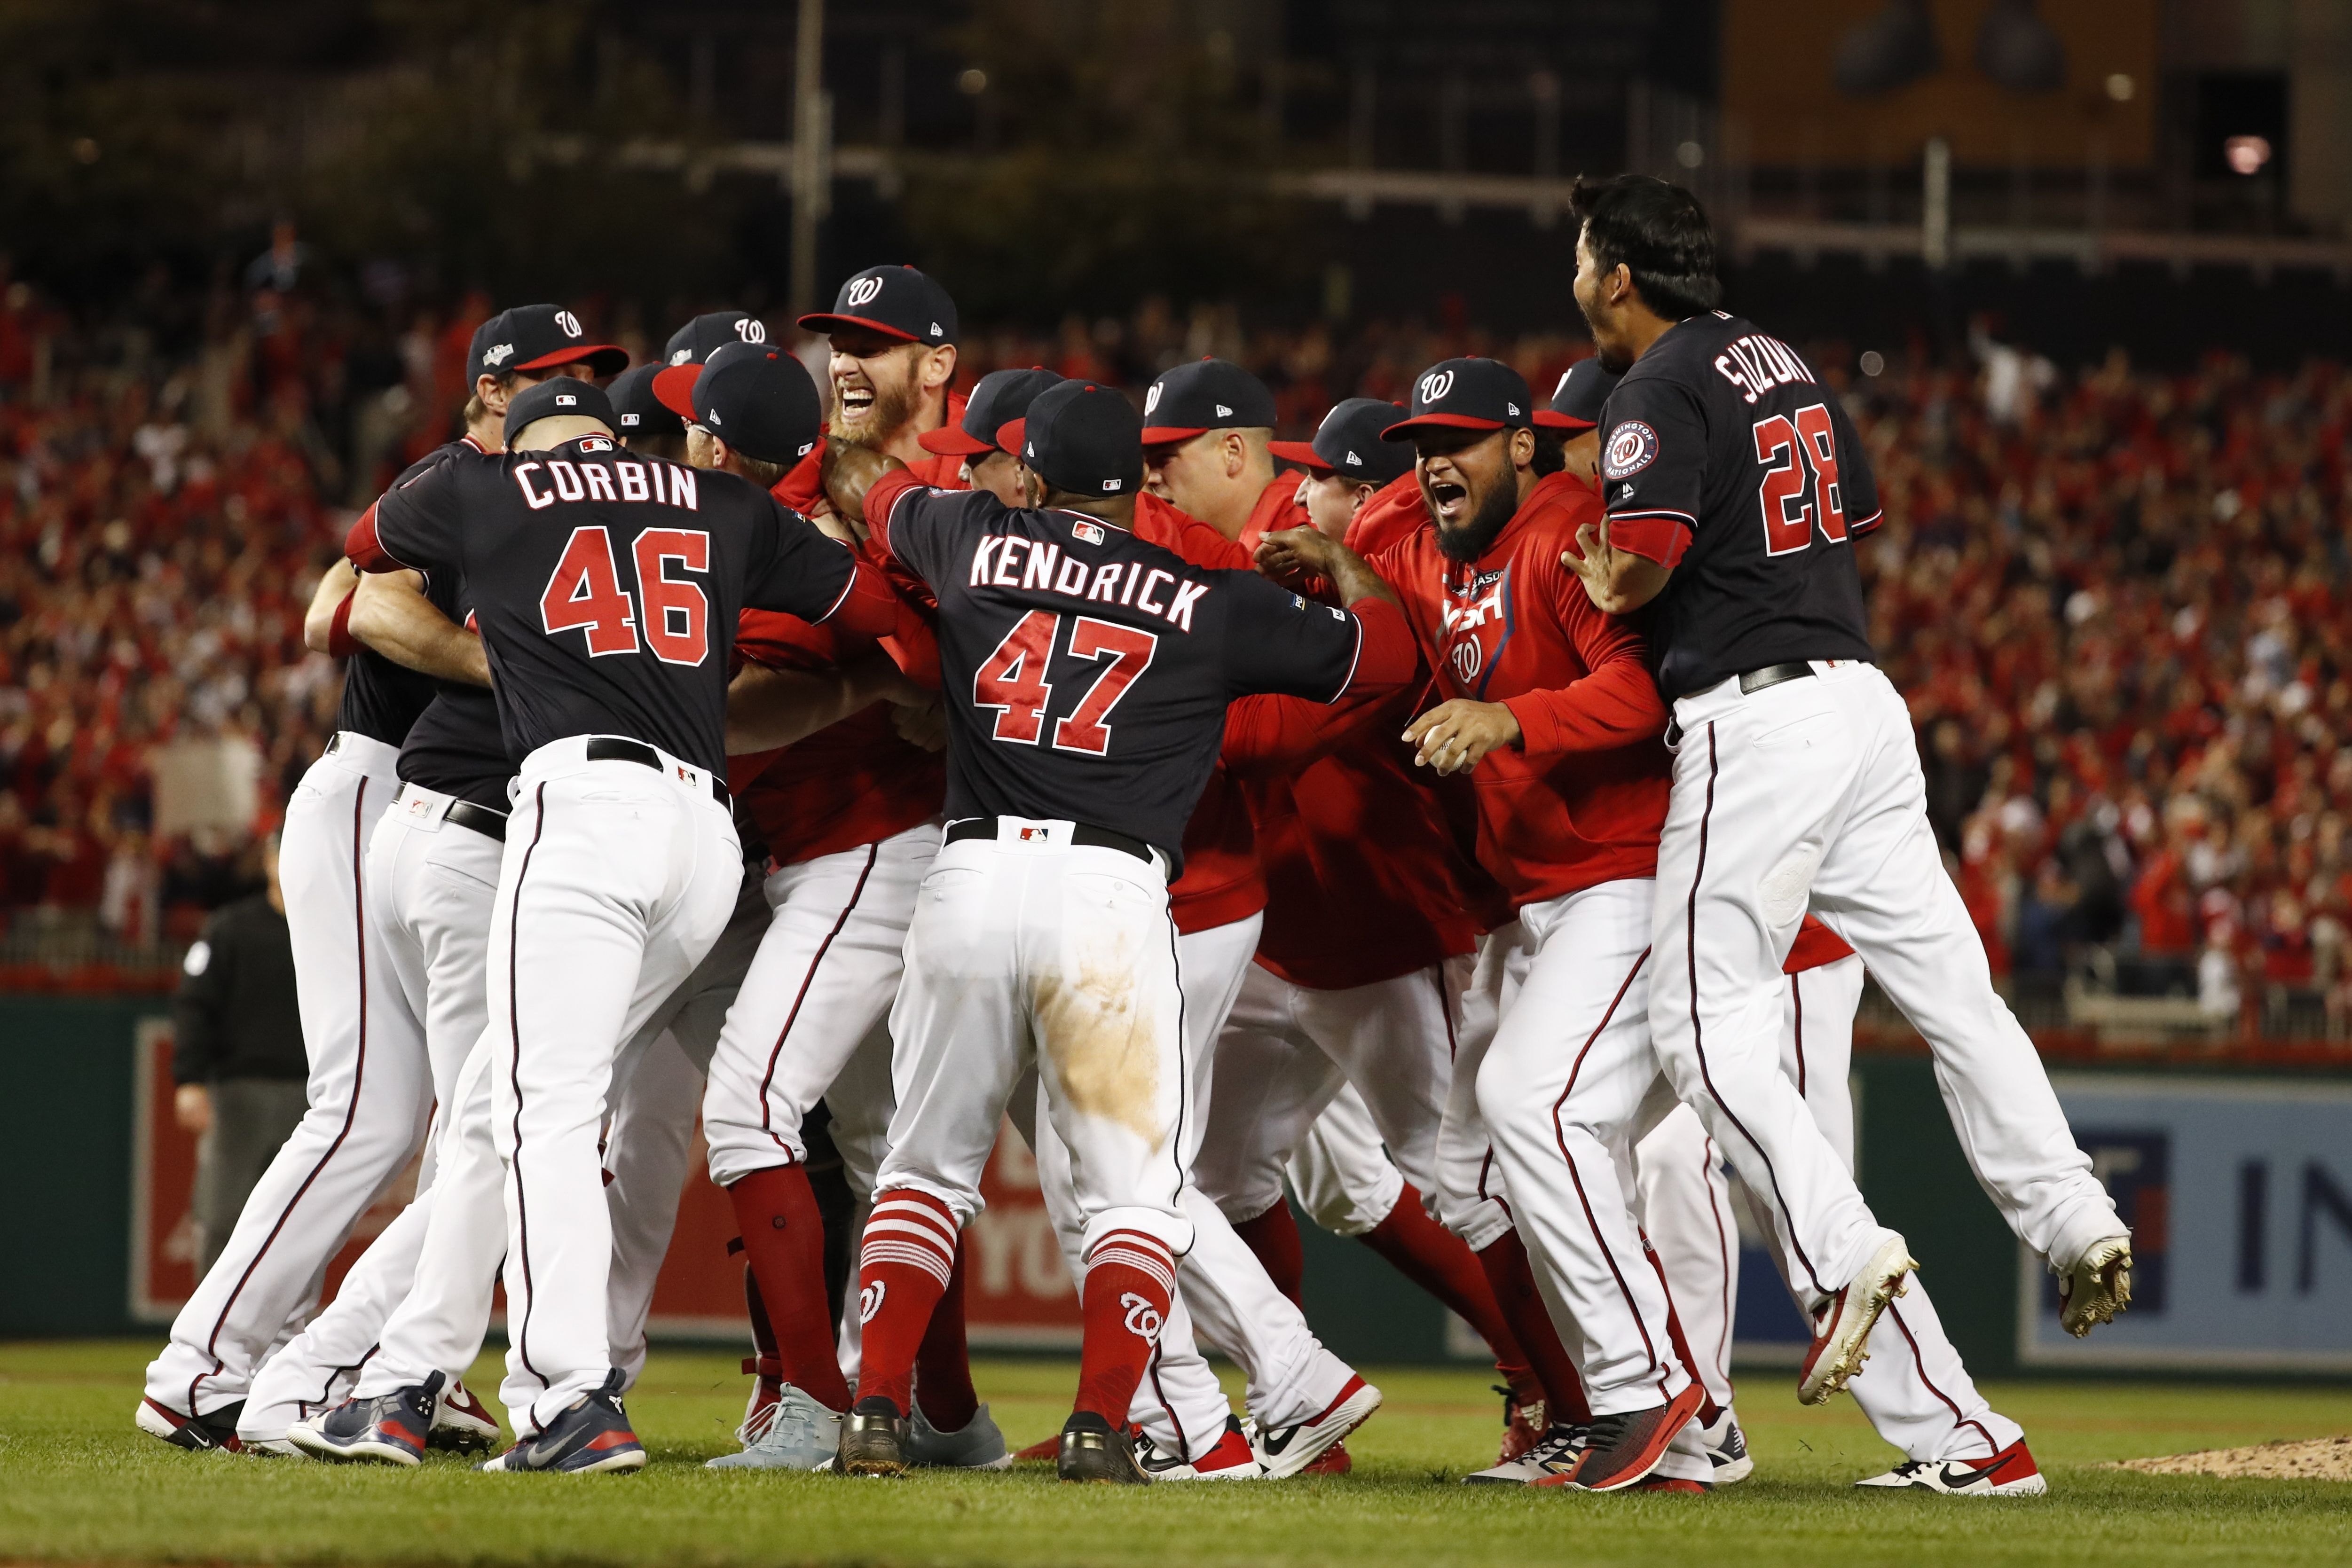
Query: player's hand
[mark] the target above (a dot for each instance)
(923, 724)
(192, 1108)
(850, 470)
(1295, 553)
(1617, 582)
(1455, 736)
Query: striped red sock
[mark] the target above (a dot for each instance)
(1514, 1282)
(1441, 1263)
(943, 1361)
(783, 1240)
(1274, 1237)
(1129, 1278)
(904, 1265)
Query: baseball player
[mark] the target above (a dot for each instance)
(1734, 485)
(1207, 451)
(1087, 674)
(372, 1080)
(1552, 1074)
(983, 461)
(608, 625)
(648, 425)
(891, 334)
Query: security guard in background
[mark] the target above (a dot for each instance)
(237, 1055)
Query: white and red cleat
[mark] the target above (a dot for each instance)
(1286, 1451)
(2010, 1473)
(1230, 1460)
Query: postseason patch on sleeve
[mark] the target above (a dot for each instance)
(1632, 446)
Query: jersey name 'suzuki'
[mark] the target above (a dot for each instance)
(1759, 362)
(1010, 560)
(662, 483)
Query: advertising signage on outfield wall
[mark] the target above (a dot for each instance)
(2239, 1194)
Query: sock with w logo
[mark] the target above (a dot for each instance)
(1129, 1278)
(908, 1255)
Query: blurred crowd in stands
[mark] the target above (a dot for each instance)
(2117, 600)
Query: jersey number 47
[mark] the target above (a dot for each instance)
(1011, 679)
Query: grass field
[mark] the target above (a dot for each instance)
(78, 1484)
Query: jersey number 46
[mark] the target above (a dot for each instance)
(585, 593)
(1800, 479)
(1011, 679)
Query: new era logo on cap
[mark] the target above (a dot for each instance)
(1349, 443)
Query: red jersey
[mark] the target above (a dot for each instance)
(854, 783)
(1276, 508)
(1579, 801)
(803, 484)
(1395, 513)
(1815, 946)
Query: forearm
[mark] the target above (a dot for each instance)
(335, 585)
(391, 615)
(1354, 580)
(1630, 560)
(1616, 705)
(768, 708)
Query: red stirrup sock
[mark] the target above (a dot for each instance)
(1441, 1263)
(904, 1265)
(1274, 1237)
(783, 1239)
(1708, 1411)
(943, 1361)
(1513, 1282)
(1130, 1277)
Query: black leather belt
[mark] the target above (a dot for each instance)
(490, 825)
(1755, 681)
(613, 749)
(1091, 837)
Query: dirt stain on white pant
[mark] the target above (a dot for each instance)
(1104, 1046)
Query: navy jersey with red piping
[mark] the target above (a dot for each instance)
(382, 699)
(454, 746)
(607, 585)
(1725, 458)
(1087, 671)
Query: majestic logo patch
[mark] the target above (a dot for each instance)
(1091, 532)
(870, 1299)
(569, 322)
(863, 291)
(1632, 446)
(1433, 386)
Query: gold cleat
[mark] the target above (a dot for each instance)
(2097, 1286)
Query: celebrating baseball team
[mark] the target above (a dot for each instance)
(1481, 827)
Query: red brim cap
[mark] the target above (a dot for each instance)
(1300, 453)
(1168, 434)
(673, 389)
(826, 324)
(604, 359)
(1403, 429)
(1552, 420)
(952, 441)
(1009, 434)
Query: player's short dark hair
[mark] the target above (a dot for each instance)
(1551, 451)
(1658, 231)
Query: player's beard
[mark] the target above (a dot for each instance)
(1469, 541)
(892, 410)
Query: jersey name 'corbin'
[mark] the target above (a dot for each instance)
(1009, 560)
(660, 483)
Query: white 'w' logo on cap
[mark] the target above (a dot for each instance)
(862, 291)
(1152, 398)
(751, 329)
(569, 322)
(1434, 386)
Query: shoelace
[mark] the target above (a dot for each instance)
(1554, 1447)
(785, 1420)
(757, 1424)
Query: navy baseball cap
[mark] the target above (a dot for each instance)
(1347, 443)
(1207, 395)
(759, 400)
(562, 395)
(998, 400)
(1472, 395)
(691, 344)
(641, 413)
(897, 301)
(1082, 438)
(1583, 391)
(538, 338)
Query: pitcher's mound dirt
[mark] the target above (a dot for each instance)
(2312, 1460)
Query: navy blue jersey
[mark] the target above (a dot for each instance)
(1725, 458)
(607, 584)
(1087, 672)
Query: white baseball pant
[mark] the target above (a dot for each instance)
(1287, 1049)
(430, 886)
(371, 1091)
(1470, 1199)
(1807, 793)
(1915, 1388)
(826, 971)
(618, 879)
(1341, 1175)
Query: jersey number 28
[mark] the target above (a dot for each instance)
(1800, 479)
(1011, 680)
(585, 591)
